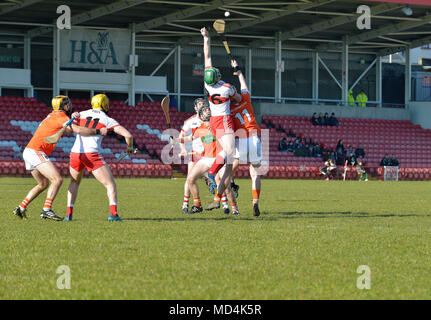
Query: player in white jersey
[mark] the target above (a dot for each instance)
(85, 154)
(220, 95)
(193, 149)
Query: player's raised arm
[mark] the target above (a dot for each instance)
(127, 135)
(241, 77)
(207, 49)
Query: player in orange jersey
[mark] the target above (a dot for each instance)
(247, 143)
(193, 148)
(209, 141)
(36, 154)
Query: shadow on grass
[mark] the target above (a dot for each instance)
(191, 218)
(274, 216)
(347, 214)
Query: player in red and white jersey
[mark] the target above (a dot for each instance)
(85, 154)
(247, 143)
(191, 149)
(205, 133)
(220, 95)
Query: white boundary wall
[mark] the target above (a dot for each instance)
(111, 82)
(16, 79)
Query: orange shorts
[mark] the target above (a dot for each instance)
(91, 161)
(221, 125)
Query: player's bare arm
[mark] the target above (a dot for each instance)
(236, 98)
(241, 77)
(86, 131)
(127, 135)
(182, 139)
(207, 50)
(182, 145)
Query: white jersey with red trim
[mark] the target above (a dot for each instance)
(189, 127)
(219, 97)
(95, 119)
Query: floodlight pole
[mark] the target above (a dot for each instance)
(248, 66)
(315, 85)
(379, 75)
(56, 61)
(345, 71)
(132, 69)
(27, 60)
(277, 68)
(177, 76)
(408, 76)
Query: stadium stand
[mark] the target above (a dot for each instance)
(20, 117)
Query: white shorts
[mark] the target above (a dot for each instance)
(207, 161)
(33, 158)
(248, 150)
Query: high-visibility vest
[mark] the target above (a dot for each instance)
(351, 101)
(362, 99)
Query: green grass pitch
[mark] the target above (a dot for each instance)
(307, 244)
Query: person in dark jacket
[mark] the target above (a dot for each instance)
(385, 161)
(315, 119)
(359, 152)
(340, 153)
(393, 161)
(333, 121)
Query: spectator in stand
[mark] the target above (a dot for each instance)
(359, 152)
(362, 99)
(321, 119)
(326, 119)
(333, 121)
(317, 150)
(340, 153)
(282, 146)
(333, 156)
(350, 156)
(393, 161)
(315, 119)
(385, 161)
(290, 146)
(350, 99)
(297, 144)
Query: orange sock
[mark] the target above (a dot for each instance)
(48, 204)
(217, 197)
(24, 204)
(256, 195)
(197, 201)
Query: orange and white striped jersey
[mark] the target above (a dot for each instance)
(50, 125)
(219, 98)
(209, 141)
(243, 115)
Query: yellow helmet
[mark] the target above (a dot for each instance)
(58, 102)
(100, 102)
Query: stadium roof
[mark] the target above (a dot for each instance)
(300, 24)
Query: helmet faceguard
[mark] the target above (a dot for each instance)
(212, 76)
(205, 113)
(199, 103)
